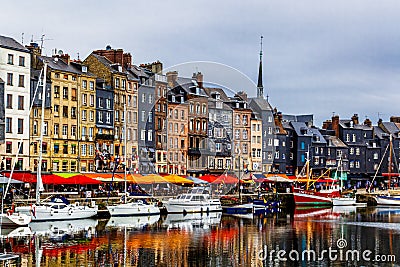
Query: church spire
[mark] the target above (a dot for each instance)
(260, 87)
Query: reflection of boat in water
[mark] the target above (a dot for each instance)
(311, 212)
(387, 211)
(71, 227)
(16, 232)
(344, 209)
(192, 221)
(133, 221)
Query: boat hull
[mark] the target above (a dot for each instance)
(174, 206)
(311, 198)
(388, 200)
(343, 201)
(128, 209)
(239, 209)
(14, 220)
(47, 213)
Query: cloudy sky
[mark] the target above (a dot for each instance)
(320, 57)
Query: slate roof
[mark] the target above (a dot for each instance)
(221, 91)
(261, 103)
(108, 63)
(299, 126)
(189, 85)
(335, 141)
(346, 124)
(1, 81)
(58, 64)
(10, 43)
(391, 127)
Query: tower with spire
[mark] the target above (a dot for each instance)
(260, 87)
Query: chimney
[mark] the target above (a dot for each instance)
(114, 55)
(368, 122)
(355, 119)
(172, 76)
(335, 125)
(35, 50)
(395, 119)
(127, 58)
(199, 78)
(327, 124)
(242, 95)
(155, 67)
(65, 58)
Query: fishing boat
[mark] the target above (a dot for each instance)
(53, 208)
(198, 199)
(316, 192)
(388, 199)
(343, 199)
(132, 206)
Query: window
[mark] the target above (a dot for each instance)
(351, 164)
(116, 115)
(100, 116)
(191, 107)
(9, 101)
(65, 92)
(220, 163)
(83, 115)
(83, 150)
(21, 81)
(117, 81)
(108, 117)
(8, 125)
(150, 99)
(218, 147)
(91, 85)
(244, 134)
(65, 130)
(84, 100)
(56, 148)
(150, 119)
(244, 148)
(150, 135)
(197, 108)
(56, 129)
(354, 138)
(91, 100)
(65, 111)
(357, 164)
(22, 61)
(237, 134)
(108, 103)
(303, 145)
(35, 127)
(20, 148)
(73, 130)
(143, 135)
(204, 109)
(45, 128)
(84, 131)
(65, 76)
(237, 119)
(20, 103)
(56, 91)
(91, 115)
(9, 79)
(20, 126)
(73, 112)
(347, 137)
(73, 149)
(84, 84)
(9, 147)
(352, 151)
(73, 94)
(245, 120)
(357, 151)
(143, 97)
(10, 59)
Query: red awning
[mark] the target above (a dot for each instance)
(28, 177)
(208, 178)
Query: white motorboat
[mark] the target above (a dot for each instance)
(58, 208)
(388, 200)
(344, 201)
(198, 199)
(134, 207)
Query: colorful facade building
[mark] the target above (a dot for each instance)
(15, 63)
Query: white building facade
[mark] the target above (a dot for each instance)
(15, 61)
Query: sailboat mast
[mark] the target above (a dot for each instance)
(39, 185)
(125, 151)
(390, 162)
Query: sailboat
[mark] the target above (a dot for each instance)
(342, 200)
(313, 197)
(388, 199)
(133, 206)
(53, 208)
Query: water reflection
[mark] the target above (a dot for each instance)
(211, 239)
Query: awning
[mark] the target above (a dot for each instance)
(4, 180)
(176, 179)
(277, 179)
(196, 180)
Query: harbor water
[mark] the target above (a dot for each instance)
(338, 236)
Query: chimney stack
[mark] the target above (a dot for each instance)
(199, 78)
(355, 119)
(335, 125)
(65, 58)
(172, 76)
(368, 122)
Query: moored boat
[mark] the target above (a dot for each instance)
(198, 199)
(134, 207)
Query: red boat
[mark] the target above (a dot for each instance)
(323, 197)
